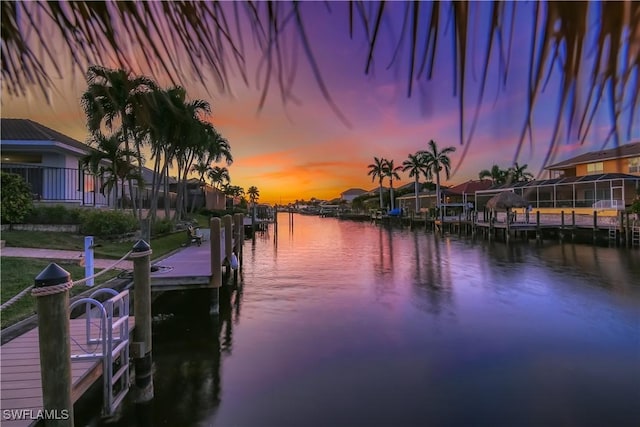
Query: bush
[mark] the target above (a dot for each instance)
(162, 226)
(16, 201)
(107, 223)
(635, 206)
(57, 214)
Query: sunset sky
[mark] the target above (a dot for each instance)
(303, 150)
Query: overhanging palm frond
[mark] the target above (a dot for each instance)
(205, 39)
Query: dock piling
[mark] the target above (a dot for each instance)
(216, 265)
(227, 223)
(141, 347)
(51, 289)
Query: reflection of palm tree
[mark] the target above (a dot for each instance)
(416, 166)
(377, 170)
(437, 161)
(391, 171)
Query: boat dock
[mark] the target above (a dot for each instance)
(100, 348)
(21, 382)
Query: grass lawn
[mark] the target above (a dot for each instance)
(19, 273)
(107, 249)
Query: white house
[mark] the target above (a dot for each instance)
(351, 194)
(50, 162)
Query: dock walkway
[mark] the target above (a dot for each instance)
(21, 384)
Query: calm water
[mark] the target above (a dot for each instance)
(351, 324)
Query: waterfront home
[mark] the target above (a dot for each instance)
(50, 162)
(352, 193)
(606, 181)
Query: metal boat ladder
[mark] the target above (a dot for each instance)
(635, 236)
(613, 234)
(107, 339)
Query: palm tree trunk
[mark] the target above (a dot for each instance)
(438, 195)
(416, 190)
(392, 200)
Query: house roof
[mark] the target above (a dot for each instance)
(353, 192)
(28, 130)
(620, 152)
(470, 187)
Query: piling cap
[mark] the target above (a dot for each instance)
(141, 246)
(52, 275)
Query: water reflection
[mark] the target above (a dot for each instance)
(353, 324)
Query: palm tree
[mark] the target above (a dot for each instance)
(391, 171)
(219, 176)
(416, 166)
(518, 173)
(113, 101)
(436, 161)
(254, 194)
(377, 170)
(110, 162)
(497, 175)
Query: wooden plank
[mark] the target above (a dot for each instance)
(20, 363)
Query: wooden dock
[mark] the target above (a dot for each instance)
(21, 383)
(188, 268)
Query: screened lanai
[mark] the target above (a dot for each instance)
(599, 191)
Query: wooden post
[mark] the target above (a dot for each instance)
(216, 264)
(627, 230)
(141, 347)
(595, 226)
(55, 343)
(561, 225)
(227, 223)
(573, 225)
(238, 224)
(275, 223)
(507, 231)
(538, 231)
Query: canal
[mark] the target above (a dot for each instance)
(352, 324)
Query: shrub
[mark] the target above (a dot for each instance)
(635, 206)
(57, 214)
(162, 226)
(17, 201)
(107, 223)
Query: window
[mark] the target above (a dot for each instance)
(634, 165)
(595, 168)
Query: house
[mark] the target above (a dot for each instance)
(351, 194)
(598, 180)
(624, 159)
(50, 162)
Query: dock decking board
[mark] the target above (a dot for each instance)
(190, 268)
(20, 366)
